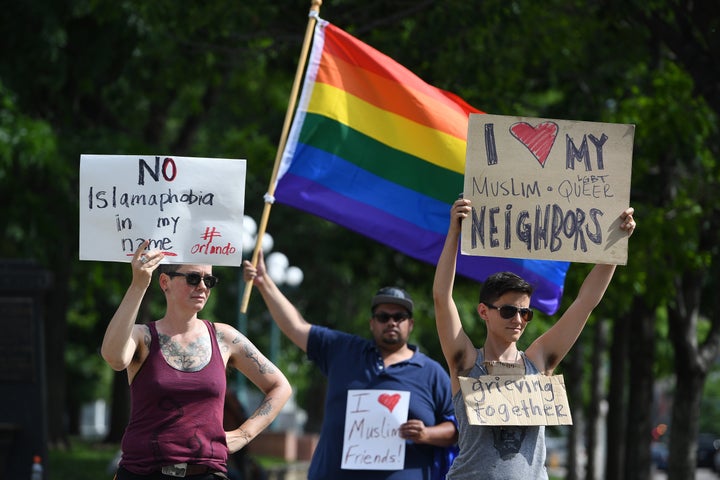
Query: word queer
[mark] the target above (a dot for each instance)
(545, 230)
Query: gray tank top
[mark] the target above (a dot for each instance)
(503, 453)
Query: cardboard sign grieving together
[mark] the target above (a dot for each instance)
(189, 208)
(516, 400)
(547, 189)
(372, 422)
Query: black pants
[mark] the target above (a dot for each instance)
(123, 474)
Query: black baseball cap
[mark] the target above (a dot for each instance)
(394, 295)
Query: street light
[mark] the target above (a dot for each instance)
(282, 273)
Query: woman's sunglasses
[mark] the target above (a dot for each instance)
(509, 311)
(193, 279)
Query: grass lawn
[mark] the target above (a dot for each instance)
(87, 460)
(82, 461)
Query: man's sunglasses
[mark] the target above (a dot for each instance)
(193, 279)
(384, 317)
(509, 311)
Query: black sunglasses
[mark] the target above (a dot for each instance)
(193, 279)
(509, 311)
(384, 317)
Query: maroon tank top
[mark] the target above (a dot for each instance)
(176, 416)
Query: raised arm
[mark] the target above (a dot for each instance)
(550, 348)
(459, 352)
(122, 337)
(284, 313)
(246, 358)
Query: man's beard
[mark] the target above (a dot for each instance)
(392, 340)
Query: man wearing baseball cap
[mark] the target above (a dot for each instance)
(385, 362)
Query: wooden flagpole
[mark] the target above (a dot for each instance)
(269, 196)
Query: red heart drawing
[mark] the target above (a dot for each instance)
(539, 140)
(389, 400)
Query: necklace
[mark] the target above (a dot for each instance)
(490, 365)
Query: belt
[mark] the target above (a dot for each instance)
(185, 470)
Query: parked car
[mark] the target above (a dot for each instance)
(706, 450)
(556, 451)
(659, 455)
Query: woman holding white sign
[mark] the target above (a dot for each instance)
(504, 452)
(176, 369)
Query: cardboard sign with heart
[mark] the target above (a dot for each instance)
(547, 189)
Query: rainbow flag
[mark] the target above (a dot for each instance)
(377, 150)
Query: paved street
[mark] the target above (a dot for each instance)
(700, 474)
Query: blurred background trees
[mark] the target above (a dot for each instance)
(212, 79)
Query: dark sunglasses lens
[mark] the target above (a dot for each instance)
(385, 317)
(509, 311)
(193, 279)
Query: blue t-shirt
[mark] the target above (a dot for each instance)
(351, 362)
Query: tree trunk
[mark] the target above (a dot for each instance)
(119, 408)
(690, 374)
(573, 372)
(55, 337)
(684, 427)
(639, 418)
(617, 408)
(595, 408)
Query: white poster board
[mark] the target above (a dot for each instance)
(189, 208)
(547, 189)
(516, 400)
(372, 423)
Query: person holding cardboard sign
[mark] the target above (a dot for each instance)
(176, 369)
(504, 452)
(367, 380)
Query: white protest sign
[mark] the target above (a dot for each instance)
(372, 422)
(189, 208)
(516, 400)
(547, 189)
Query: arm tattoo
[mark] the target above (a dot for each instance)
(264, 409)
(220, 336)
(244, 435)
(251, 353)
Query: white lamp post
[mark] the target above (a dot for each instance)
(282, 273)
(278, 268)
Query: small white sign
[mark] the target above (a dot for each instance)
(189, 208)
(372, 430)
